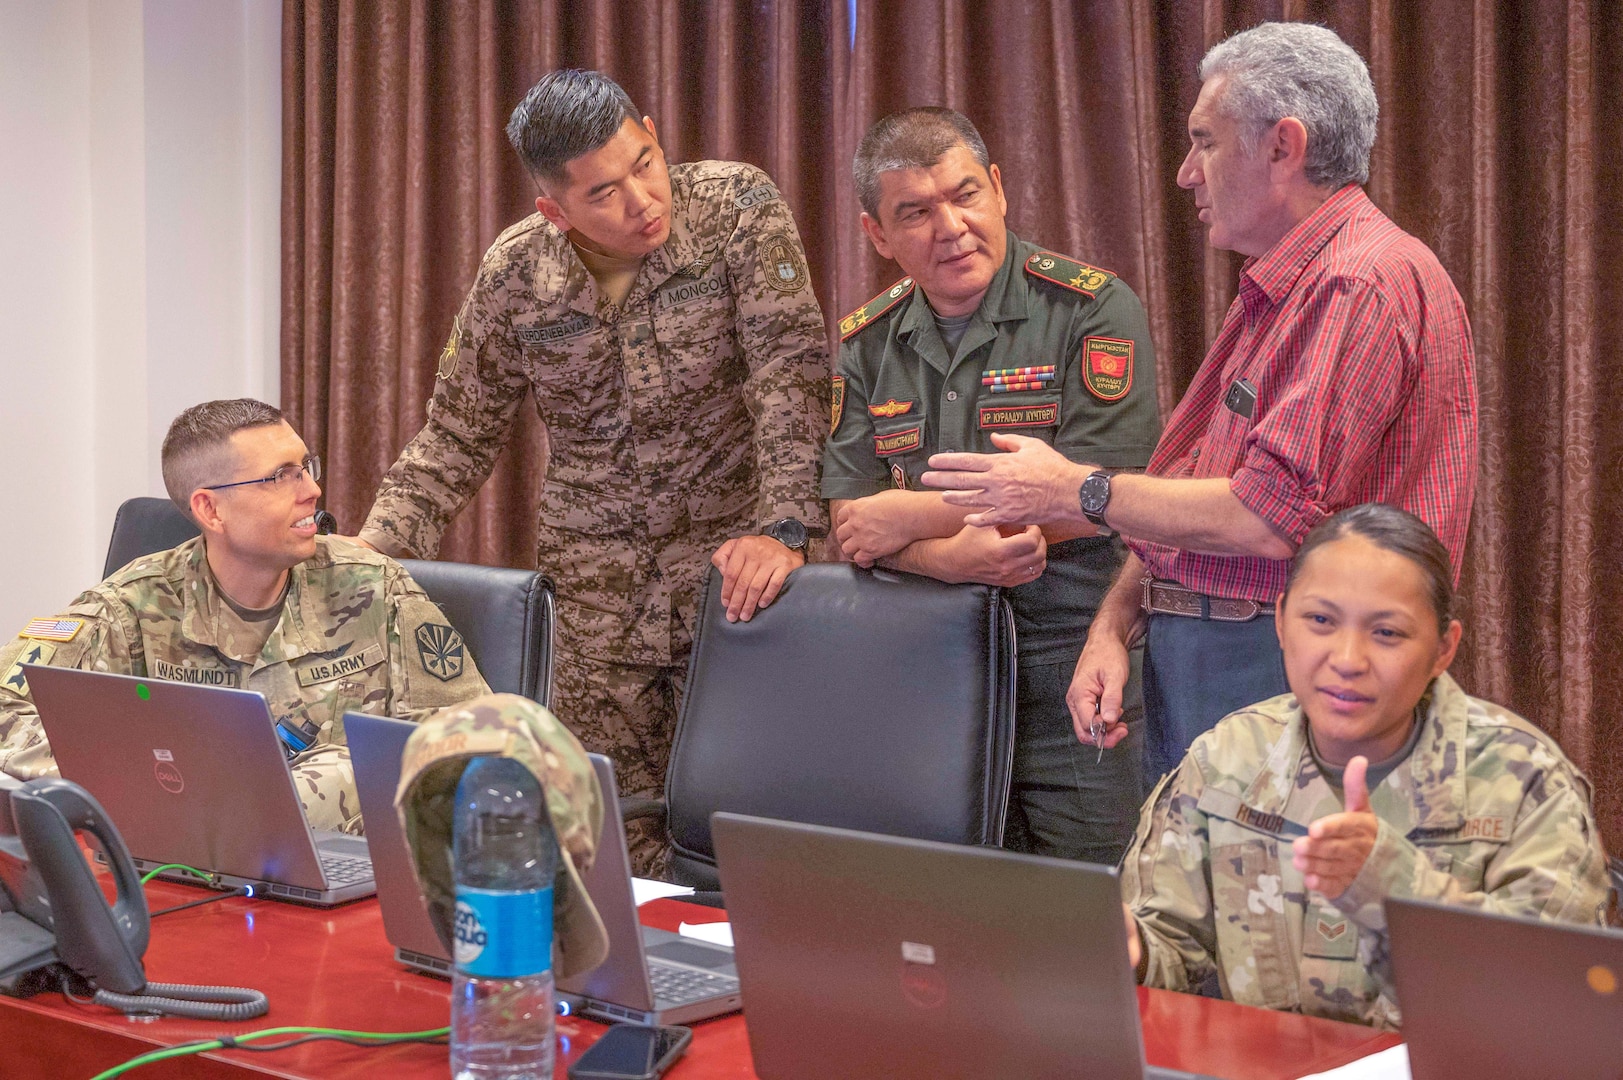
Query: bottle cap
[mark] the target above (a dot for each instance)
(505, 725)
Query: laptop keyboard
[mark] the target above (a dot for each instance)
(341, 870)
(679, 985)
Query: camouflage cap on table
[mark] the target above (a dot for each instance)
(505, 725)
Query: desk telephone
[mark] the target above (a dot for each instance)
(57, 930)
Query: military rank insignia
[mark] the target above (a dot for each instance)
(874, 308)
(1073, 275)
(441, 651)
(1107, 367)
(836, 407)
(898, 476)
(38, 653)
(781, 263)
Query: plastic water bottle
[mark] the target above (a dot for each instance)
(501, 988)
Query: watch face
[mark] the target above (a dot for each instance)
(789, 532)
(1095, 494)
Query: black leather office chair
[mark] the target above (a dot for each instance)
(505, 615)
(863, 699)
(143, 526)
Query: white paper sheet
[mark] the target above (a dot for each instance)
(1392, 1064)
(717, 933)
(646, 889)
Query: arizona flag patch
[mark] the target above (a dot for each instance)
(1107, 367)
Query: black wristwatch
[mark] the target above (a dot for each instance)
(1095, 496)
(790, 532)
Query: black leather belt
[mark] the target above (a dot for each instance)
(1165, 598)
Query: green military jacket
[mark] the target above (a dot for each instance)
(356, 633)
(1486, 812)
(899, 398)
(688, 415)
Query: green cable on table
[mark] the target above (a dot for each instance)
(365, 1038)
(156, 870)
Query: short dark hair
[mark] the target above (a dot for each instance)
(193, 448)
(911, 139)
(567, 114)
(1394, 530)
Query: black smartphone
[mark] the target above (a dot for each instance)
(631, 1052)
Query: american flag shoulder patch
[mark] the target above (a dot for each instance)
(53, 629)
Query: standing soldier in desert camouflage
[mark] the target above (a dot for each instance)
(664, 321)
(318, 625)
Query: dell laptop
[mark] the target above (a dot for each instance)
(195, 775)
(650, 977)
(1513, 998)
(864, 956)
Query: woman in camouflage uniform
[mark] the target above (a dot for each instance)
(1263, 860)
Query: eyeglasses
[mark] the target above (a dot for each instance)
(287, 474)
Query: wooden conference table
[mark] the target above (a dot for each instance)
(335, 969)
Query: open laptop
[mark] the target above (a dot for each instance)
(650, 977)
(864, 956)
(195, 775)
(1512, 998)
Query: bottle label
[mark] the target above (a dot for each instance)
(501, 934)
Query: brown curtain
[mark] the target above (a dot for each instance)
(1498, 146)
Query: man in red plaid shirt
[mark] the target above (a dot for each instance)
(1342, 375)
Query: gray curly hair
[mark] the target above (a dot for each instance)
(1280, 69)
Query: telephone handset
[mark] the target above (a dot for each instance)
(53, 914)
(48, 884)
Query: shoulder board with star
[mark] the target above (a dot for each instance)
(1073, 275)
(874, 308)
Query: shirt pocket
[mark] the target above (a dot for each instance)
(576, 379)
(898, 444)
(1254, 940)
(694, 323)
(1465, 858)
(593, 511)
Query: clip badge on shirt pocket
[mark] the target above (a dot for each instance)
(297, 735)
(1241, 398)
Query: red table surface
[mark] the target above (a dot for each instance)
(335, 969)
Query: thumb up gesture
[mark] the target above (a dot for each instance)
(1336, 846)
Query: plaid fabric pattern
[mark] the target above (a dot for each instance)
(1358, 345)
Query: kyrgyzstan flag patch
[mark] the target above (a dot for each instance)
(1107, 367)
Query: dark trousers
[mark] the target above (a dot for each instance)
(1065, 800)
(1197, 671)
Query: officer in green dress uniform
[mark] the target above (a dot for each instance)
(989, 334)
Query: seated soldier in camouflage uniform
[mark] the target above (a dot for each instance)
(1265, 857)
(318, 625)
